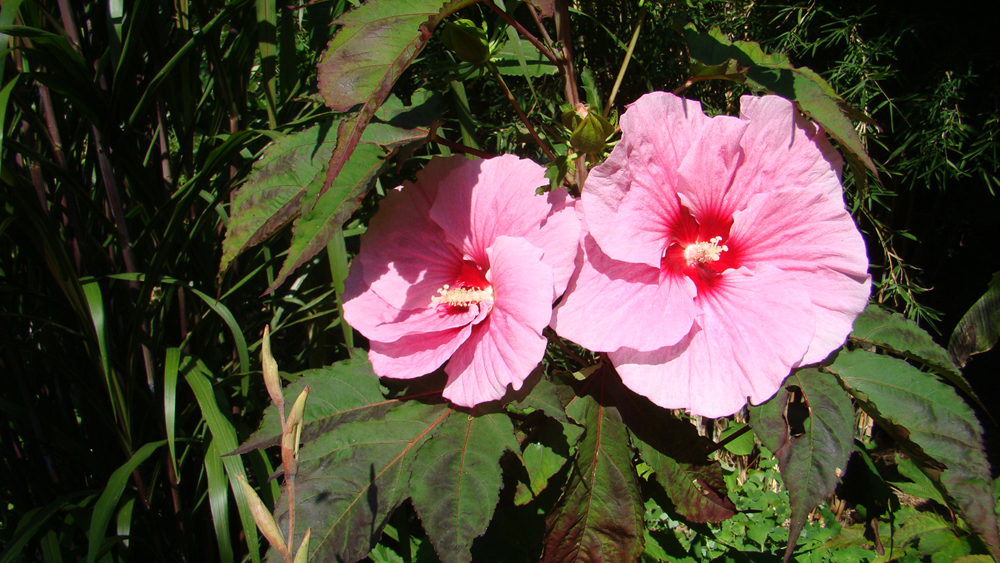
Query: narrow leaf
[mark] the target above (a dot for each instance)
(455, 480)
(934, 425)
(811, 463)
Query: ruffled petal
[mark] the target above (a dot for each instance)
(754, 328)
(611, 304)
(507, 346)
(480, 200)
(809, 235)
(705, 176)
(784, 149)
(559, 239)
(629, 200)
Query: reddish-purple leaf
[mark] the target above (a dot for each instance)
(600, 515)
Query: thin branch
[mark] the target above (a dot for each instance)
(460, 147)
(524, 32)
(520, 112)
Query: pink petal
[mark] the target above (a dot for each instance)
(629, 200)
(754, 328)
(479, 200)
(809, 235)
(705, 177)
(380, 321)
(507, 346)
(784, 149)
(610, 304)
(559, 239)
(416, 354)
(406, 257)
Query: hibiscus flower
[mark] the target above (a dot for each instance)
(718, 255)
(465, 264)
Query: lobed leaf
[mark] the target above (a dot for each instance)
(455, 480)
(351, 479)
(600, 514)
(346, 391)
(935, 426)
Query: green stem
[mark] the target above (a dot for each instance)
(520, 112)
(628, 57)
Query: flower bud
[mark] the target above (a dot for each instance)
(303, 551)
(467, 41)
(270, 368)
(591, 129)
(262, 516)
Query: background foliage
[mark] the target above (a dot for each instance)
(129, 360)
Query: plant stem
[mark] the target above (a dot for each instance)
(524, 32)
(628, 57)
(460, 147)
(520, 112)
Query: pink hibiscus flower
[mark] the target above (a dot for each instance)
(719, 255)
(463, 264)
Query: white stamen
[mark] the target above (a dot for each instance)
(463, 296)
(704, 252)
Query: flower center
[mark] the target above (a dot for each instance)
(698, 253)
(463, 296)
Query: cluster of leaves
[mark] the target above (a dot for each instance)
(134, 135)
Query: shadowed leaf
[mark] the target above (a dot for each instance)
(455, 480)
(979, 329)
(680, 459)
(600, 515)
(745, 62)
(938, 430)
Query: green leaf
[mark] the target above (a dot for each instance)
(509, 58)
(742, 445)
(600, 515)
(544, 454)
(105, 507)
(901, 336)
(935, 426)
(455, 480)
(320, 221)
(746, 62)
(811, 463)
(352, 478)
(273, 192)
(919, 484)
(346, 391)
(545, 394)
(376, 42)
(979, 329)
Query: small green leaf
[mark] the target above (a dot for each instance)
(544, 455)
(469, 43)
(455, 480)
(936, 427)
(535, 64)
(743, 445)
(919, 484)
